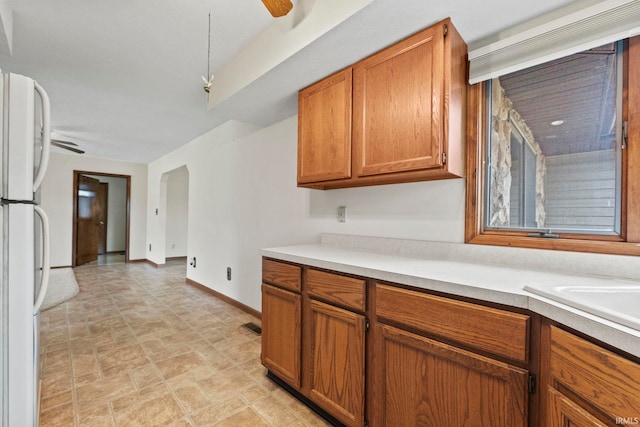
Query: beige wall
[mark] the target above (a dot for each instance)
(177, 212)
(57, 201)
(243, 197)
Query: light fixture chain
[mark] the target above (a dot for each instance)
(209, 50)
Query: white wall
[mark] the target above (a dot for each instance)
(243, 197)
(57, 200)
(177, 207)
(116, 213)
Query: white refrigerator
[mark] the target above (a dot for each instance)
(24, 253)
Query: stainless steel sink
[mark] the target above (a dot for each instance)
(618, 302)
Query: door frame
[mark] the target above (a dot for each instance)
(76, 175)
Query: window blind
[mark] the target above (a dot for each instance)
(592, 26)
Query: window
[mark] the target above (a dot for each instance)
(549, 164)
(522, 194)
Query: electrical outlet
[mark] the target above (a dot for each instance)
(228, 273)
(342, 214)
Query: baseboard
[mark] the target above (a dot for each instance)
(156, 265)
(61, 266)
(225, 298)
(151, 263)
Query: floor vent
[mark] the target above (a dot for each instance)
(253, 328)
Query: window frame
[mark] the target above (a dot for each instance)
(627, 243)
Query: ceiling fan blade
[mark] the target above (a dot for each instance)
(63, 145)
(65, 142)
(278, 8)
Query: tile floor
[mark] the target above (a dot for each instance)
(110, 258)
(139, 347)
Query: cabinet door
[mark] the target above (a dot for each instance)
(420, 381)
(607, 381)
(324, 129)
(398, 106)
(281, 333)
(563, 412)
(337, 362)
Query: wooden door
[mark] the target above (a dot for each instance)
(281, 333)
(563, 412)
(398, 106)
(324, 129)
(87, 231)
(337, 362)
(103, 211)
(419, 381)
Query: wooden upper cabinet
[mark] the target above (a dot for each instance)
(407, 110)
(324, 129)
(398, 102)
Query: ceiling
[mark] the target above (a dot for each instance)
(570, 103)
(124, 76)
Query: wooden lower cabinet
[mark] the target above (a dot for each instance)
(424, 382)
(564, 412)
(434, 360)
(282, 333)
(588, 385)
(336, 354)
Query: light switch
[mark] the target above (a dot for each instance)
(342, 214)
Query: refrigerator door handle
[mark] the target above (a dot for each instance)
(46, 136)
(46, 258)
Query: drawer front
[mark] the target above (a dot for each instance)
(345, 291)
(281, 274)
(607, 380)
(488, 329)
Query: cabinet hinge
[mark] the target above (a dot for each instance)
(532, 383)
(366, 325)
(625, 134)
(446, 30)
(444, 159)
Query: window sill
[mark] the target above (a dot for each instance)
(562, 244)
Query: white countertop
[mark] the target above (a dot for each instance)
(482, 281)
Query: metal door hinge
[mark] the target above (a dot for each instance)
(532, 383)
(446, 30)
(366, 325)
(625, 134)
(444, 159)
